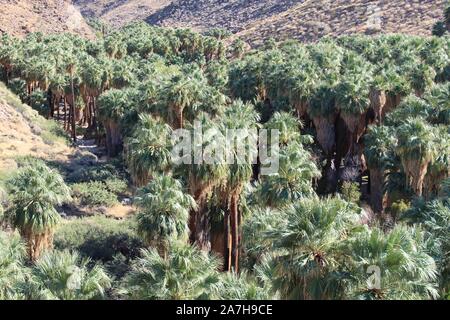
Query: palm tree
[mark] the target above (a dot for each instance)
(181, 93)
(203, 177)
(64, 275)
(406, 270)
(35, 191)
(304, 262)
(416, 148)
(115, 47)
(187, 273)
(58, 83)
(434, 217)
(297, 170)
(411, 106)
(148, 149)
(352, 93)
(256, 244)
(322, 110)
(9, 54)
(13, 271)
(71, 67)
(379, 145)
(439, 168)
(112, 106)
(242, 116)
(94, 80)
(163, 212)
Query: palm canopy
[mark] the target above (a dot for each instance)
(164, 211)
(293, 182)
(416, 140)
(304, 262)
(412, 106)
(12, 271)
(35, 191)
(407, 271)
(434, 217)
(186, 274)
(240, 116)
(288, 127)
(379, 143)
(232, 286)
(113, 104)
(66, 276)
(149, 148)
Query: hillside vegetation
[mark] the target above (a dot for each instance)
(23, 132)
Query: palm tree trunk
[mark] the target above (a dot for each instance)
(227, 242)
(74, 132)
(376, 181)
(234, 221)
(202, 230)
(180, 119)
(57, 107)
(65, 114)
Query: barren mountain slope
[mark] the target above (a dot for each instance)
(20, 17)
(120, 12)
(315, 18)
(257, 20)
(230, 14)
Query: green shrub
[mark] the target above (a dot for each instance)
(38, 101)
(116, 185)
(18, 87)
(399, 207)
(350, 192)
(101, 172)
(93, 193)
(100, 238)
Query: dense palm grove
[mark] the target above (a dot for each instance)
(363, 180)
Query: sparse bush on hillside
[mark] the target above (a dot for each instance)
(93, 193)
(38, 101)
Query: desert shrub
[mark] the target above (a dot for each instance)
(116, 185)
(399, 207)
(38, 101)
(100, 238)
(100, 172)
(18, 87)
(93, 193)
(350, 192)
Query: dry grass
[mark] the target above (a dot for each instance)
(24, 133)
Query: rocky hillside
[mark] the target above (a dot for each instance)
(233, 15)
(257, 20)
(24, 133)
(120, 12)
(315, 18)
(20, 17)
